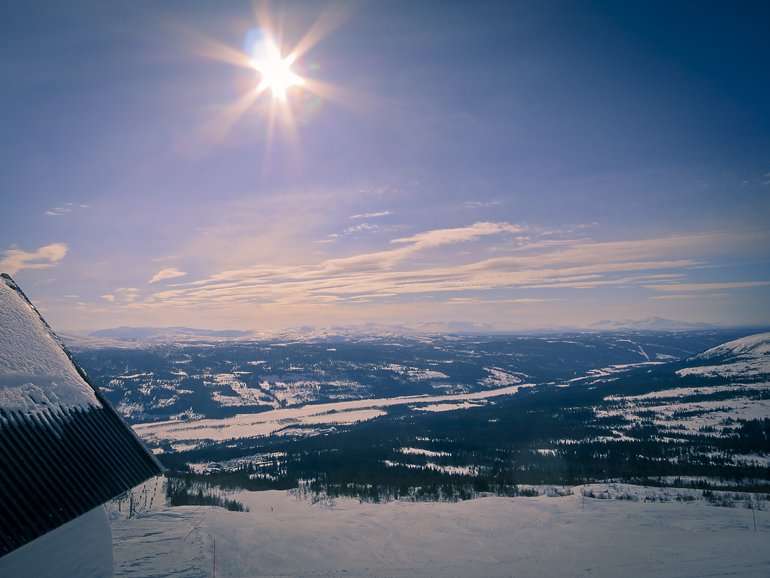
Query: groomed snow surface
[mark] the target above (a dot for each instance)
(567, 535)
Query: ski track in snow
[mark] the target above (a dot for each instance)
(170, 543)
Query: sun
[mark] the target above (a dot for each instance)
(286, 91)
(275, 71)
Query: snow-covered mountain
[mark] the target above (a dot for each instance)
(750, 347)
(744, 358)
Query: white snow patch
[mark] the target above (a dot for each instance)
(500, 377)
(244, 395)
(449, 470)
(694, 416)
(136, 375)
(416, 373)
(676, 392)
(441, 407)
(742, 368)
(612, 369)
(130, 409)
(423, 452)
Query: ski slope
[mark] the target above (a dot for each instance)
(568, 535)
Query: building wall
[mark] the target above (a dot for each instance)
(81, 548)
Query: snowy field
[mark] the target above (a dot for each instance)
(283, 535)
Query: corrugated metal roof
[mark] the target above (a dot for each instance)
(63, 448)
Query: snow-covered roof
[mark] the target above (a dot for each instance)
(63, 449)
(35, 371)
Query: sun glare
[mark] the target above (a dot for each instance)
(275, 72)
(278, 72)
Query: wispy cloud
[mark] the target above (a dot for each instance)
(64, 209)
(45, 257)
(687, 296)
(361, 228)
(167, 273)
(519, 301)
(597, 280)
(371, 215)
(420, 266)
(481, 204)
(416, 243)
(122, 295)
(691, 287)
(438, 237)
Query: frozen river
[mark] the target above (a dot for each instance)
(321, 414)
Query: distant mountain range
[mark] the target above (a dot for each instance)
(650, 324)
(131, 335)
(165, 333)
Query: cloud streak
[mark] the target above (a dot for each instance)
(122, 295)
(45, 257)
(423, 266)
(64, 209)
(695, 287)
(361, 228)
(166, 274)
(375, 215)
(481, 204)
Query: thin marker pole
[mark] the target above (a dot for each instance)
(754, 513)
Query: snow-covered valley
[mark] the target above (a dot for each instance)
(437, 465)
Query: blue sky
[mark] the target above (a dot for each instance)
(515, 164)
